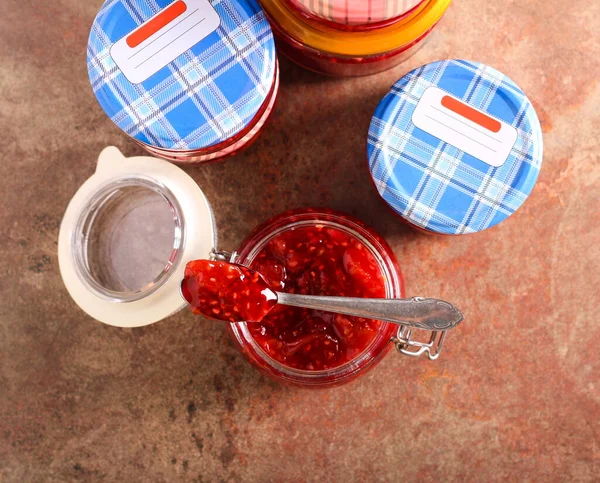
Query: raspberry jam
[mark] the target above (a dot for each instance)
(315, 260)
(318, 252)
(225, 291)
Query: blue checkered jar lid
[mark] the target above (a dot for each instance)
(181, 74)
(455, 147)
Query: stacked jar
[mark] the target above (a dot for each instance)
(190, 81)
(351, 38)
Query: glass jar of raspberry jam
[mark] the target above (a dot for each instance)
(352, 38)
(189, 80)
(132, 227)
(318, 252)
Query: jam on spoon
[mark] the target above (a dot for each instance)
(325, 261)
(226, 291)
(234, 293)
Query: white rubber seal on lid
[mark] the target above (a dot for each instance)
(193, 232)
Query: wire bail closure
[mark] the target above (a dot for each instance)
(405, 345)
(223, 256)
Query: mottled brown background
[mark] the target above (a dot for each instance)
(515, 394)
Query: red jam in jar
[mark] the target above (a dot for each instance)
(318, 252)
(316, 260)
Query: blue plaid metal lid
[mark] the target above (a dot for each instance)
(181, 74)
(455, 147)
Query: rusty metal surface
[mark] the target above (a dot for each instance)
(516, 393)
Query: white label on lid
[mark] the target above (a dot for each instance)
(465, 127)
(163, 38)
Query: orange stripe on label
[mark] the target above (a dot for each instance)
(471, 114)
(149, 29)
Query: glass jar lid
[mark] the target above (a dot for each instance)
(126, 236)
(356, 12)
(455, 147)
(181, 74)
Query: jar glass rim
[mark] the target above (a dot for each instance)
(389, 271)
(86, 219)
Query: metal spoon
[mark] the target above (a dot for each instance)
(417, 312)
(241, 281)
